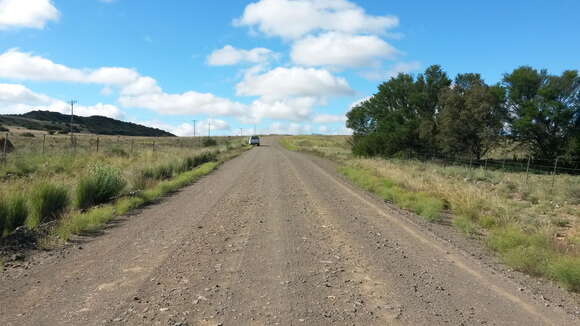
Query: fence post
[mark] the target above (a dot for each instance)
(470, 161)
(43, 143)
(132, 140)
(153, 146)
(4, 152)
(485, 166)
(528, 169)
(98, 144)
(554, 174)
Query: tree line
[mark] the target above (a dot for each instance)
(430, 113)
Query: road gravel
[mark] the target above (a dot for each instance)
(271, 238)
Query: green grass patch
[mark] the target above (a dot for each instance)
(47, 202)
(465, 224)
(92, 220)
(421, 203)
(566, 270)
(102, 184)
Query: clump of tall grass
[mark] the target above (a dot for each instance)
(47, 202)
(13, 212)
(100, 185)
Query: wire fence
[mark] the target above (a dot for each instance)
(19, 145)
(527, 164)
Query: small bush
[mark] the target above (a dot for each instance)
(207, 142)
(3, 129)
(465, 224)
(567, 271)
(27, 134)
(510, 237)
(47, 202)
(17, 212)
(532, 260)
(101, 185)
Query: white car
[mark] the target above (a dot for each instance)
(254, 140)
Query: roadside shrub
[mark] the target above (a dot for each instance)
(567, 271)
(17, 212)
(532, 260)
(47, 203)
(101, 185)
(3, 129)
(509, 237)
(465, 224)
(27, 134)
(207, 142)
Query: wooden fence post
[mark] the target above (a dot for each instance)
(98, 144)
(4, 151)
(554, 174)
(43, 143)
(528, 169)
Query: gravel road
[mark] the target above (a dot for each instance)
(271, 238)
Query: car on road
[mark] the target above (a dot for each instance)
(254, 140)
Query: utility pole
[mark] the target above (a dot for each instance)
(241, 131)
(194, 121)
(72, 108)
(255, 129)
(208, 127)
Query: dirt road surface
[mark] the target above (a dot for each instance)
(271, 238)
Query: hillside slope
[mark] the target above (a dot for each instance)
(58, 122)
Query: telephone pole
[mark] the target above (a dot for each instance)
(72, 108)
(208, 127)
(194, 121)
(72, 111)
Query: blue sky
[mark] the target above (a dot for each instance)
(286, 66)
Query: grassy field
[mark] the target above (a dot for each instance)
(532, 225)
(77, 188)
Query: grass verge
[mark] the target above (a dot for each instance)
(422, 204)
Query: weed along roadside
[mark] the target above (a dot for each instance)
(531, 229)
(100, 191)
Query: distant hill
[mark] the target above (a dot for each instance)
(59, 123)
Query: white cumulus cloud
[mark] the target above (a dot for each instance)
(292, 19)
(329, 118)
(339, 49)
(300, 82)
(16, 98)
(228, 55)
(26, 13)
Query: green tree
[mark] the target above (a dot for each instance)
(472, 116)
(544, 110)
(401, 116)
